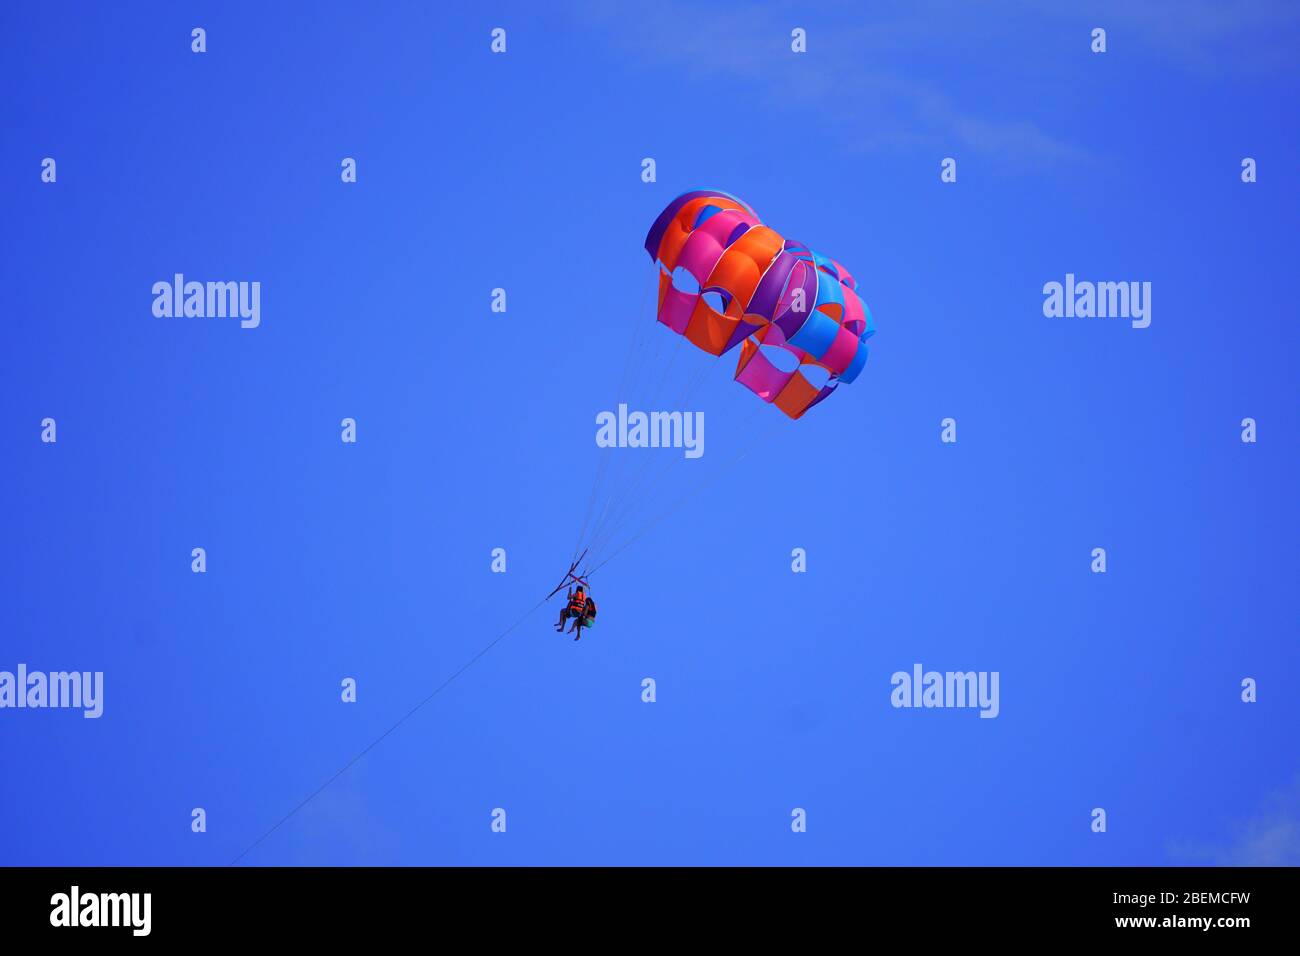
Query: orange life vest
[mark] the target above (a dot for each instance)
(577, 603)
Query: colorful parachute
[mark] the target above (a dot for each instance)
(726, 279)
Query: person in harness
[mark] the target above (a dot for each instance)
(580, 609)
(586, 619)
(574, 608)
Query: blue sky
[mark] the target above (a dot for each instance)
(476, 431)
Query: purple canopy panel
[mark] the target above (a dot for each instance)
(743, 331)
(768, 292)
(787, 319)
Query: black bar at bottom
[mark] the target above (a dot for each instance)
(542, 905)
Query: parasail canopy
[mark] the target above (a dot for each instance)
(726, 279)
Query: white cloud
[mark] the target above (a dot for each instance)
(1271, 838)
(881, 75)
